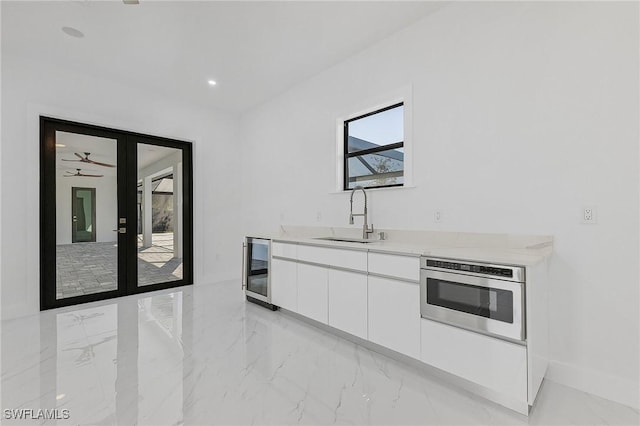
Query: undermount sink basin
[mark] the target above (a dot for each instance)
(346, 239)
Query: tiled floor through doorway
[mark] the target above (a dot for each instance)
(87, 268)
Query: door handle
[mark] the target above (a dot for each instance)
(244, 265)
(120, 230)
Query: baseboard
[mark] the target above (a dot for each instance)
(613, 388)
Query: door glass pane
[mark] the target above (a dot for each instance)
(159, 214)
(86, 215)
(258, 273)
(486, 302)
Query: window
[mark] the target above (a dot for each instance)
(374, 149)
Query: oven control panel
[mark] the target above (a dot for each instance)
(514, 273)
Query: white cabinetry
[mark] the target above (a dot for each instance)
(394, 315)
(391, 265)
(487, 361)
(350, 259)
(313, 292)
(284, 284)
(348, 302)
(376, 297)
(284, 250)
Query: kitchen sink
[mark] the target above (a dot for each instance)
(346, 239)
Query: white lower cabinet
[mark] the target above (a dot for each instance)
(348, 302)
(394, 315)
(487, 361)
(313, 292)
(284, 284)
(386, 311)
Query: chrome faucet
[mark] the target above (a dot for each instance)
(366, 230)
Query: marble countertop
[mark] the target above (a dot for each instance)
(521, 250)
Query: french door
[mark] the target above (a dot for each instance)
(115, 213)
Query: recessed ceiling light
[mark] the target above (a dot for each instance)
(72, 32)
(130, 2)
(60, 145)
(212, 82)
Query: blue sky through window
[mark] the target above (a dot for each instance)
(382, 128)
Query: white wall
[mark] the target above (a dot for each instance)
(106, 206)
(1, 259)
(522, 114)
(30, 89)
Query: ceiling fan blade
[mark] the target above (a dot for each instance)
(83, 175)
(79, 156)
(99, 163)
(77, 161)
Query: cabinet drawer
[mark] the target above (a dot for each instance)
(289, 251)
(487, 361)
(350, 259)
(405, 267)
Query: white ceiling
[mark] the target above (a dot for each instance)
(254, 50)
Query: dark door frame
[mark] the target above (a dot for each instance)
(127, 208)
(74, 191)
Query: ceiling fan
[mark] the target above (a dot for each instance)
(86, 159)
(80, 174)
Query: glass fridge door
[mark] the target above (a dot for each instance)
(258, 266)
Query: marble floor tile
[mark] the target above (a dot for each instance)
(202, 355)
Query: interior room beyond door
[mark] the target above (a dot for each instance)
(86, 171)
(83, 215)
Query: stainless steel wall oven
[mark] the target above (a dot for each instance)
(481, 297)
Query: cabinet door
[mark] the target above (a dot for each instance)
(496, 364)
(348, 302)
(312, 292)
(284, 284)
(394, 315)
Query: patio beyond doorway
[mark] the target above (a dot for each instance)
(87, 268)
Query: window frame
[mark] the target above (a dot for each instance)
(346, 155)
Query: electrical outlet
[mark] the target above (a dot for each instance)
(589, 215)
(437, 216)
